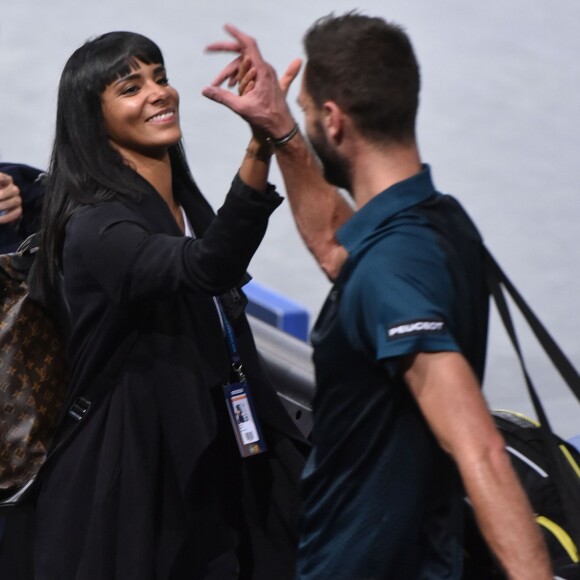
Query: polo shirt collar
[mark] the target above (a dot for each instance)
(386, 204)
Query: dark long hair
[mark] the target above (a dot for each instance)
(84, 167)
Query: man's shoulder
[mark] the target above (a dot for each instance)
(448, 217)
(398, 265)
(404, 241)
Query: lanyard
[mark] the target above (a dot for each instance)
(232, 344)
(239, 401)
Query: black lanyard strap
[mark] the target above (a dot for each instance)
(232, 344)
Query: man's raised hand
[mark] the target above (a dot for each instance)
(262, 97)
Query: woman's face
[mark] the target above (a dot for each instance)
(141, 112)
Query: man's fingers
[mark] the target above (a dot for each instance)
(224, 46)
(231, 70)
(247, 42)
(222, 96)
(214, 93)
(244, 67)
(244, 84)
(290, 74)
(261, 100)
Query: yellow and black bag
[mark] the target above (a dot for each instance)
(548, 466)
(525, 446)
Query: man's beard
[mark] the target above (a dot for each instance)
(334, 166)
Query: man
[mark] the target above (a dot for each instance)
(20, 204)
(400, 425)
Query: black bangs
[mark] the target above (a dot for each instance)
(127, 63)
(115, 54)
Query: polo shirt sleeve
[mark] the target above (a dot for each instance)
(399, 302)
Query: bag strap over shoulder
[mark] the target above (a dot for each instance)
(568, 487)
(496, 277)
(99, 387)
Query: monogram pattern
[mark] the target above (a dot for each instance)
(33, 379)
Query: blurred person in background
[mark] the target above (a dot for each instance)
(21, 192)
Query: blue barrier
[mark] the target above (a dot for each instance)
(277, 310)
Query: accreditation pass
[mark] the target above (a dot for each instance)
(244, 420)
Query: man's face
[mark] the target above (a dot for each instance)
(334, 165)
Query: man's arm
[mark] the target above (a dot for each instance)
(450, 399)
(318, 208)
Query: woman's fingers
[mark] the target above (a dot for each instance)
(290, 74)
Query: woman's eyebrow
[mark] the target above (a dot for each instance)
(129, 77)
(136, 75)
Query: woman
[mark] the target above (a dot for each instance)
(151, 484)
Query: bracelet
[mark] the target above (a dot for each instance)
(283, 140)
(262, 153)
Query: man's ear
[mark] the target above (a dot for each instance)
(333, 120)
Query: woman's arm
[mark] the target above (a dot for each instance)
(130, 251)
(256, 164)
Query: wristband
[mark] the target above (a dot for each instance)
(283, 140)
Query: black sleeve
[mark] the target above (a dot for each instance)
(130, 261)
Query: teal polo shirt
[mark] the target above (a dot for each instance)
(381, 500)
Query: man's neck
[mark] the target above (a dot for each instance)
(374, 168)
